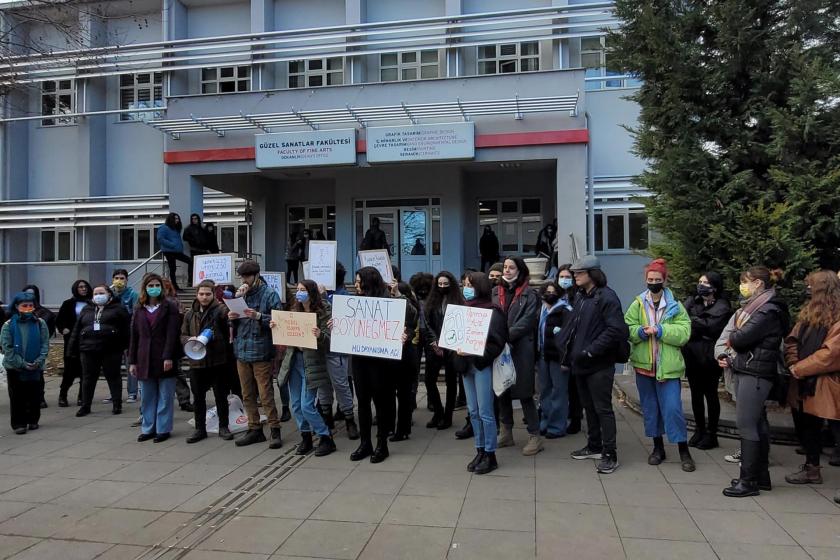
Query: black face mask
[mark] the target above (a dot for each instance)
(443, 289)
(655, 288)
(551, 299)
(704, 290)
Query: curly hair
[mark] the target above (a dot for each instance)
(823, 309)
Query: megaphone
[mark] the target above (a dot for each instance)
(196, 347)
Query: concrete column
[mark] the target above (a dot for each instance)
(186, 194)
(571, 200)
(355, 11)
(175, 27)
(453, 8)
(560, 49)
(262, 19)
(344, 212)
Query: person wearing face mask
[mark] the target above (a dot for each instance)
(521, 306)
(49, 318)
(554, 378)
(495, 273)
(568, 291)
(24, 340)
(753, 352)
(68, 313)
(709, 311)
(409, 370)
(128, 297)
(659, 327)
(99, 339)
(305, 370)
(444, 292)
(152, 351)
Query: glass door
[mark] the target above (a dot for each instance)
(414, 241)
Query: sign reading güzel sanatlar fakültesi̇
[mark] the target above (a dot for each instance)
(425, 142)
(304, 149)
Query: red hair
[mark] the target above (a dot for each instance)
(658, 265)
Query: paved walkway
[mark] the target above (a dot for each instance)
(84, 489)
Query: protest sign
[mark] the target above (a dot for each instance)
(322, 263)
(294, 329)
(380, 260)
(305, 266)
(237, 305)
(365, 326)
(216, 267)
(277, 282)
(465, 329)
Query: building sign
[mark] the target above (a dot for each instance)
(304, 149)
(426, 142)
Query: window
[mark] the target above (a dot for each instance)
(141, 91)
(58, 97)
(57, 245)
(621, 231)
(137, 243)
(316, 73)
(233, 238)
(516, 221)
(509, 58)
(320, 220)
(226, 79)
(596, 59)
(409, 66)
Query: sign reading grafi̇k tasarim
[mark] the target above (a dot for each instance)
(422, 142)
(305, 149)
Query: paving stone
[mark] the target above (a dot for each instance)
(803, 499)
(261, 535)
(363, 508)
(43, 489)
(361, 482)
(453, 485)
(501, 515)
(641, 494)
(811, 529)
(111, 525)
(551, 546)
(292, 504)
(319, 480)
(574, 488)
(502, 488)
(575, 519)
(742, 551)
(701, 496)
(158, 496)
(328, 539)
(9, 482)
(196, 473)
(747, 527)
(123, 552)
(407, 543)
(92, 469)
(62, 550)
(655, 523)
(650, 549)
(11, 509)
(213, 555)
(45, 520)
(10, 546)
(99, 493)
(142, 471)
(424, 510)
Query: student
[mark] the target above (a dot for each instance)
(294, 254)
(99, 339)
(128, 297)
(488, 247)
(64, 323)
(182, 389)
(596, 340)
(495, 273)
(25, 342)
(659, 326)
(569, 292)
(196, 236)
(305, 370)
(408, 372)
(753, 353)
(210, 372)
(254, 352)
(554, 378)
(49, 318)
(210, 238)
(172, 247)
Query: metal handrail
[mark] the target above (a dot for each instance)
(144, 263)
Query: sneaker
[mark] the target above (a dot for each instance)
(20, 431)
(131, 399)
(107, 400)
(137, 423)
(586, 453)
(608, 463)
(734, 457)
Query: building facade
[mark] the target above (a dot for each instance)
(461, 114)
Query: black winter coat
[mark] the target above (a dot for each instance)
(112, 336)
(215, 319)
(523, 316)
(559, 317)
(497, 336)
(196, 237)
(757, 344)
(66, 319)
(596, 328)
(706, 325)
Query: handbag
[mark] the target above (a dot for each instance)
(504, 373)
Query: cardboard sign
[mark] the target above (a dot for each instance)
(305, 273)
(294, 329)
(217, 267)
(465, 329)
(322, 256)
(277, 282)
(365, 326)
(380, 260)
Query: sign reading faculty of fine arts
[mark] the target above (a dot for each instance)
(303, 149)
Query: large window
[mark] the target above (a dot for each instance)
(226, 79)
(137, 243)
(509, 58)
(58, 97)
(409, 66)
(320, 220)
(595, 57)
(316, 73)
(621, 231)
(57, 245)
(233, 238)
(516, 221)
(141, 91)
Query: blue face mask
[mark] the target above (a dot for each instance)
(302, 296)
(469, 293)
(153, 291)
(566, 283)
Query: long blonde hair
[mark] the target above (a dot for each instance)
(823, 309)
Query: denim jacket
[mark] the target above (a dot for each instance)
(252, 342)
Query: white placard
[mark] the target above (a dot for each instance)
(380, 260)
(422, 142)
(216, 267)
(304, 149)
(365, 326)
(322, 256)
(305, 266)
(465, 329)
(237, 305)
(277, 282)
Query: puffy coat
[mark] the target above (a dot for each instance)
(252, 338)
(213, 318)
(707, 323)
(523, 315)
(112, 336)
(757, 343)
(169, 240)
(674, 330)
(825, 364)
(314, 361)
(151, 345)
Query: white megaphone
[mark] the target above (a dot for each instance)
(196, 347)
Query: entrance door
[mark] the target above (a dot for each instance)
(407, 232)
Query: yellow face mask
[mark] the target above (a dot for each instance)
(119, 284)
(746, 290)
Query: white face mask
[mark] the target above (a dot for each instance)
(100, 299)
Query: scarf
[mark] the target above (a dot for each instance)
(29, 348)
(810, 340)
(516, 293)
(743, 315)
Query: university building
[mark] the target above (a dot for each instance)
(439, 117)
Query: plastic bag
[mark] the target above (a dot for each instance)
(3, 381)
(237, 419)
(504, 373)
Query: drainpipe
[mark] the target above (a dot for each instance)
(590, 192)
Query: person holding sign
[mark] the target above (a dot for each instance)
(409, 369)
(478, 377)
(305, 370)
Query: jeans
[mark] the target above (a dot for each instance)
(131, 385)
(337, 367)
(662, 408)
(256, 379)
(478, 386)
(157, 405)
(307, 417)
(595, 392)
(171, 259)
(109, 365)
(554, 397)
(202, 379)
(24, 399)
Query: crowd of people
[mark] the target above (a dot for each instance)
(564, 337)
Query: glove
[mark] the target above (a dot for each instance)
(642, 334)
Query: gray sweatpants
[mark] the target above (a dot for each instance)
(338, 367)
(751, 414)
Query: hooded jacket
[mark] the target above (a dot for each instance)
(66, 318)
(707, 323)
(661, 353)
(757, 341)
(195, 235)
(213, 318)
(169, 240)
(112, 335)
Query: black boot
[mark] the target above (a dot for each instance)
(326, 445)
(747, 483)
(364, 450)
(658, 454)
(381, 451)
(709, 441)
(764, 464)
(339, 415)
(488, 463)
(198, 435)
(352, 429)
(686, 460)
(574, 426)
(285, 414)
(62, 400)
(305, 446)
(327, 415)
(698, 436)
(436, 417)
(479, 453)
(224, 433)
(466, 432)
(251, 436)
(275, 442)
(84, 411)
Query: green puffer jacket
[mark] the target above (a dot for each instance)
(314, 361)
(674, 332)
